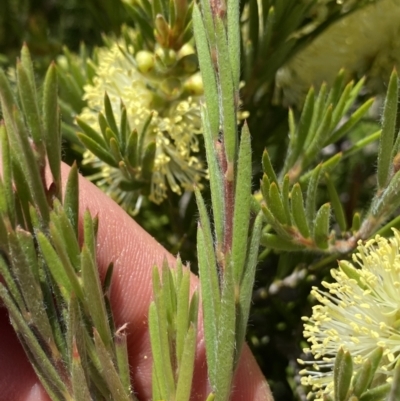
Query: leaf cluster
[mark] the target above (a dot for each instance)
(122, 148)
(163, 22)
(173, 333)
(52, 290)
(299, 224)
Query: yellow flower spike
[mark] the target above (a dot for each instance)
(359, 312)
(174, 125)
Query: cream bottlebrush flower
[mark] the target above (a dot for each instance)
(365, 42)
(360, 311)
(174, 126)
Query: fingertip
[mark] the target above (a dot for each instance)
(249, 382)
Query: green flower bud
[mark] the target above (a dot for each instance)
(145, 61)
(185, 50)
(194, 85)
(167, 57)
(171, 87)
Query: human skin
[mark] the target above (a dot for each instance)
(134, 252)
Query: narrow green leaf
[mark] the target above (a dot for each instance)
(160, 299)
(337, 87)
(336, 204)
(182, 316)
(79, 385)
(124, 129)
(394, 394)
(216, 180)
(298, 211)
(109, 113)
(109, 373)
(111, 135)
(318, 139)
(267, 167)
(92, 133)
(233, 28)
(170, 292)
(342, 372)
(66, 234)
(208, 19)
(212, 263)
(304, 123)
(278, 243)
(377, 393)
(115, 151)
(285, 198)
(97, 149)
(320, 106)
(55, 265)
(207, 71)
(265, 186)
(31, 111)
(3, 200)
(327, 166)
(10, 281)
(7, 172)
(132, 149)
(361, 144)
(103, 124)
(311, 199)
(339, 109)
(226, 335)
(210, 308)
(194, 308)
(275, 223)
(246, 286)
(360, 383)
(94, 296)
(186, 368)
(27, 64)
(51, 125)
(375, 359)
(350, 123)
(354, 94)
(71, 198)
(159, 380)
(241, 214)
(121, 352)
(148, 160)
(388, 128)
(142, 135)
(23, 200)
(321, 229)
(226, 93)
(276, 204)
(61, 248)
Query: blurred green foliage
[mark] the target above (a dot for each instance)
(48, 25)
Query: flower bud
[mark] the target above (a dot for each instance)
(145, 61)
(194, 85)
